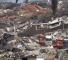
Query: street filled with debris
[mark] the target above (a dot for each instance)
(29, 30)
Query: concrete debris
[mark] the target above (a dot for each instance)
(8, 11)
(6, 5)
(23, 29)
(35, 7)
(27, 47)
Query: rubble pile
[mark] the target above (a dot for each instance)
(20, 19)
(7, 5)
(20, 14)
(31, 7)
(58, 34)
(31, 10)
(26, 47)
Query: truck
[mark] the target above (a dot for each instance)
(61, 43)
(48, 40)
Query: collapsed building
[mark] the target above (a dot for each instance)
(19, 19)
(14, 21)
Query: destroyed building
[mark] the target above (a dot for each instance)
(22, 24)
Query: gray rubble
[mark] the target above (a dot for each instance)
(20, 20)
